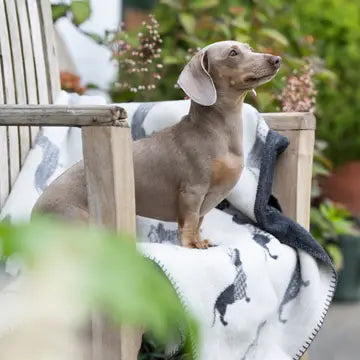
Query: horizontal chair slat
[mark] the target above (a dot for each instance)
(58, 115)
(110, 115)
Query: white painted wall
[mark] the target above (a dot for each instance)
(92, 61)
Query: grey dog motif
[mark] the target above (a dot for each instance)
(293, 289)
(255, 342)
(262, 238)
(48, 163)
(234, 292)
(137, 129)
(158, 234)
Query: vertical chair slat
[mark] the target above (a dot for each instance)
(39, 59)
(28, 57)
(19, 75)
(29, 74)
(4, 169)
(38, 50)
(9, 93)
(51, 60)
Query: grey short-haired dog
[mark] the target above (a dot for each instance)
(185, 170)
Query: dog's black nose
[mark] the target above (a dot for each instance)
(274, 60)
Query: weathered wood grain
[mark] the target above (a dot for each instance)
(28, 59)
(37, 34)
(19, 74)
(51, 60)
(290, 121)
(9, 93)
(60, 115)
(111, 196)
(4, 169)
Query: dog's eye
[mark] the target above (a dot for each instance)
(233, 53)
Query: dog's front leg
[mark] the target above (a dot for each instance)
(189, 219)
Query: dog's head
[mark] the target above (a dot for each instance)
(226, 69)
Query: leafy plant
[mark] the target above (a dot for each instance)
(322, 166)
(328, 222)
(299, 93)
(87, 269)
(139, 60)
(325, 31)
(78, 11)
(185, 26)
(335, 27)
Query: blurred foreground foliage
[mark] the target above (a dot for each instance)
(97, 270)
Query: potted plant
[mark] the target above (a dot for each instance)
(336, 229)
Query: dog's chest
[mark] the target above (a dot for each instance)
(225, 173)
(226, 170)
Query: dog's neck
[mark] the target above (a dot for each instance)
(222, 117)
(224, 113)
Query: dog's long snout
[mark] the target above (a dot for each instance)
(274, 60)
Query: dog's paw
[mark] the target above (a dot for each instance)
(201, 244)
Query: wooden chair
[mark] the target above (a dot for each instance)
(29, 83)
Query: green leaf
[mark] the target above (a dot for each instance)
(319, 169)
(203, 4)
(92, 86)
(188, 22)
(59, 11)
(225, 30)
(173, 4)
(171, 60)
(336, 255)
(81, 11)
(274, 35)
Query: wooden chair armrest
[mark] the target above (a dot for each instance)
(290, 121)
(63, 115)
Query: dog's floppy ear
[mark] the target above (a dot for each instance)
(197, 82)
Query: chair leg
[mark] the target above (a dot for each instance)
(130, 343)
(109, 342)
(111, 195)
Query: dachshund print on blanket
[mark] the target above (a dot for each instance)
(159, 234)
(293, 289)
(234, 292)
(262, 238)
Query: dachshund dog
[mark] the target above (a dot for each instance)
(185, 170)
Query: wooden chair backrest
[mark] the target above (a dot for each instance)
(29, 74)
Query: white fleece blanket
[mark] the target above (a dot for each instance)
(261, 293)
